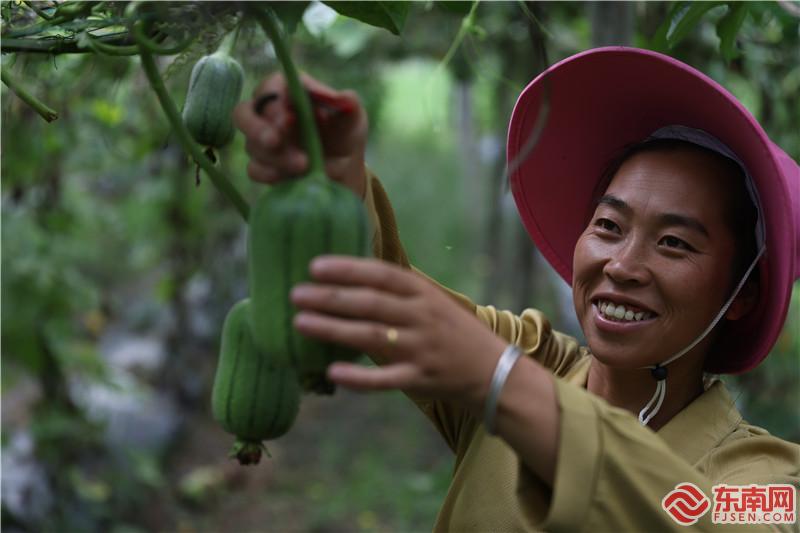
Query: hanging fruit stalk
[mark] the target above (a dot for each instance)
(45, 111)
(171, 110)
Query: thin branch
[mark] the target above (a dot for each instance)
(64, 24)
(38, 10)
(33, 29)
(40, 107)
(108, 49)
(467, 24)
(59, 45)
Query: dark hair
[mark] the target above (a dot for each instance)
(741, 214)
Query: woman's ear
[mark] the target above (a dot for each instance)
(744, 302)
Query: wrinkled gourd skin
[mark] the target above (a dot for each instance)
(290, 224)
(253, 398)
(215, 87)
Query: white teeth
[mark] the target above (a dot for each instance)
(621, 313)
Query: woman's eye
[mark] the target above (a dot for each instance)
(606, 224)
(671, 241)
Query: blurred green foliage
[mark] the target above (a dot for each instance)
(103, 228)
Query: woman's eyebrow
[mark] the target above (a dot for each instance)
(613, 201)
(666, 219)
(674, 219)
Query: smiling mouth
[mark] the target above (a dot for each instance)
(621, 312)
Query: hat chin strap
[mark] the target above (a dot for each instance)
(659, 371)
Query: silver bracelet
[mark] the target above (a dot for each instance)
(504, 365)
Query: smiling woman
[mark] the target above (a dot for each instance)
(659, 237)
(681, 258)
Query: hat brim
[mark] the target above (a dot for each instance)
(604, 99)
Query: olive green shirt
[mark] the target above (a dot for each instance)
(612, 473)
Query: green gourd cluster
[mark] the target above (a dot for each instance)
(265, 364)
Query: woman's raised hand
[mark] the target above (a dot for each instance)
(425, 342)
(273, 138)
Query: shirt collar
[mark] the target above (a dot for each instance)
(703, 424)
(698, 427)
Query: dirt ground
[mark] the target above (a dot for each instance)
(351, 462)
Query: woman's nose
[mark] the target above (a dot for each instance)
(628, 264)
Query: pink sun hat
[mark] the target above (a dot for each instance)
(601, 101)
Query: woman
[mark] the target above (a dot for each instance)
(669, 282)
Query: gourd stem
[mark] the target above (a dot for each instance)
(170, 109)
(40, 107)
(269, 22)
(226, 47)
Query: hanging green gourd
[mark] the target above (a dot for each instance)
(254, 397)
(215, 88)
(291, 223)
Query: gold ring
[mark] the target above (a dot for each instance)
(391, 335)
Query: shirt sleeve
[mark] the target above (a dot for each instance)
(612, 474)
(386, 243)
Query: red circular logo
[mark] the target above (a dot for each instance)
(686, 504)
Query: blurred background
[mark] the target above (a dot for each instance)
(117, 270)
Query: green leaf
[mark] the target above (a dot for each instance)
(728, 27)
(659, 40)
(289, 13)
(683, 17)
(387, 15)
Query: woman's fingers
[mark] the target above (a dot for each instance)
(251, 124)
(347, 270)
(263, 132)
(353, 376)
(353, 302)
(369, 337)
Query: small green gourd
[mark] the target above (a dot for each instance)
(253, 397)
(215, 88)
(291, 223)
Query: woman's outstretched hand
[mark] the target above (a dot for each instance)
(426, 344)
(273, 140)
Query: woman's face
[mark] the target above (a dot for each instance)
(654, 266)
